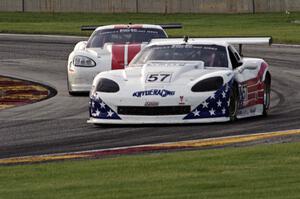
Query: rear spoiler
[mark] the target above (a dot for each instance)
(89, 28)
(164, 26)
(171, 26)
(231, 40)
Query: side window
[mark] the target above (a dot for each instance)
(233, 58)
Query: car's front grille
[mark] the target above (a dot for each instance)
(157, 110)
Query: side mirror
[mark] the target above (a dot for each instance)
(240, 63)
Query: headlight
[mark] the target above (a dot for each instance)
(108, 86)
(209, 84)
(83, 61)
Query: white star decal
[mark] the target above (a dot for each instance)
(213, 96)
(97, 96)
(102, 104)
(227, 88)
(212, 112)
(219, 103)
(205, 104)
(223, 94)
(98, 113)
(93, 104)
(196, 113)
(110, 113)
(223, 111)
(228, 102)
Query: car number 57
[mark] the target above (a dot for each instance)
(158, 77)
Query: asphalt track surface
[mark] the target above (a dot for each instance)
(59, 124)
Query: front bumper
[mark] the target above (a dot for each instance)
(80, 79)
(204, 108)
(178, 119)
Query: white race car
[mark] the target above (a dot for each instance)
(184, 81)
(108, 48)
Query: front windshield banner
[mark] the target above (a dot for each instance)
(211, 55)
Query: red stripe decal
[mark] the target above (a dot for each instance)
(261, 94)
(133, 49)
(118, 26)
(252, 82)
(253, 102)
(117, 61)
(259, 86)
(136, 26)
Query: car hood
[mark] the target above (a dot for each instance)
(179, 73)
(119, 54)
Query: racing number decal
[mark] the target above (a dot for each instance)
(243, 92)
(158, 77)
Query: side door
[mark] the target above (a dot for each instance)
(239, 75)
(245, 71)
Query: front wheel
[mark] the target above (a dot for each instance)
(233, 104)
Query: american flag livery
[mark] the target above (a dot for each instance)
(253, 89)
(214, 106)
(100, 110)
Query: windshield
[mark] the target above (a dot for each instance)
(124, 35)
(211, 55)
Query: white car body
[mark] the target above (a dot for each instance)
(161, 91)
(108, 56)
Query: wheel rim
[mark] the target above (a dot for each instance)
(266, 96)
(232, 106)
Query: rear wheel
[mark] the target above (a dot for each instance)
(233, 104)
(267, 95)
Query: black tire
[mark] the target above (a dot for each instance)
(233, 104)
(267, 95)
(73, 93)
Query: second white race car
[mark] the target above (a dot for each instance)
(184, 81)
(108, 48)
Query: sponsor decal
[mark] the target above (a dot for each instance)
(253, 110)
(151, 103)
(181, 100)
(157, 92)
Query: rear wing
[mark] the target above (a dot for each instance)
(164, 26)
(89, 28)
(230, 40)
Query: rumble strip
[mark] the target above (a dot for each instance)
(192, 144)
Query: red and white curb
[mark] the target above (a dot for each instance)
(192, 144)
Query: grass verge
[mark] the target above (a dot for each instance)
(277, 25)
(266, 171)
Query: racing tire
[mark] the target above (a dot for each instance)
(72, 93)
(233, 104)
(267, 95)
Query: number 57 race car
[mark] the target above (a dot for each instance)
(184, 81)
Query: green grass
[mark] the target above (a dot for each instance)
(268, 171)
(277, 25)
